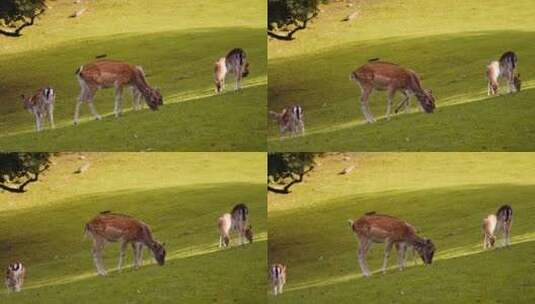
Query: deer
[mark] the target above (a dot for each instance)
(379, 228)
(488, 227)
(41, 105)
(225, 225)
(278, 278)
(113, 227)
(504, 217)
(15, 275)
(236, 220)
(235, 62)
(291, 120)
(380, 75)
(505, 67)
(106, 73)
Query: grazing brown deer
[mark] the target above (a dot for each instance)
(15, 277)
(278, 278)
(117, 74)
(41, 104)
(113, 227)
(391, 77)
(235, 62)
(378, 228)
(488, 227)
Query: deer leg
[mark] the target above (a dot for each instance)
(388, 249)
(98, 246)
(281, 286)
(122, 254)
(405, 103)
(118, 100)
(390, 96)
(138, 253)
(507, 232)
(401, 249)
(363, 250)
(37, 119)
(364, 107)
(51, 115)
(238, 77)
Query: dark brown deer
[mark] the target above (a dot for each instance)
(114, 74)
(390, 77)
(378, 228)
(112, 227)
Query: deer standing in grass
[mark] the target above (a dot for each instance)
(391, 77)
(378, 228)
(15, 277)
(112, 227)
(505, 67)
(235, 62)
(41, 105)
(114, 74)
(237, 220)
(291, 120)
(278, 278)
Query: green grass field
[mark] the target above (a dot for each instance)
(180, 195)
(176, 42)
(444, 195)
(449, 43)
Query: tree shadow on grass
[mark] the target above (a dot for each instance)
(455, 75)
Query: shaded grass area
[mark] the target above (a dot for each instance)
(49, 240)
(451, 61)
(178, 59)
(321, 254)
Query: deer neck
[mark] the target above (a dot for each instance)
(141, 84)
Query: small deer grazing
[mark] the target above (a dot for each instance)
(391, 77)
(234, 63)
(41, 105)
(504, 217)
(237, 220)
(117, 74)
(488, 227)
(278, 278)
(377, 228)
(15, 277)
(113, 227)
(291, 120)
(505, 67)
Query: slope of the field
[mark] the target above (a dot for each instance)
(445, 196)
(176, 42)
(449, 43)
(179, 195)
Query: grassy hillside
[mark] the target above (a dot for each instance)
(444, 195)
(180, 195)
(177, 44)
(449, 43)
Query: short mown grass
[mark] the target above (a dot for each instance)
(179, 195)
(177, 44)
(449, 43)
(444, 195)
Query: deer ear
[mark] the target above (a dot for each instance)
(163, 244)
(23, 97)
